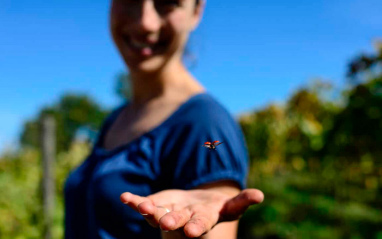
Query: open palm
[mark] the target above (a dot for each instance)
(195, 211)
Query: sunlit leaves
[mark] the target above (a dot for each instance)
(20, 197)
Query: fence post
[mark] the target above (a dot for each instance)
(48, 151)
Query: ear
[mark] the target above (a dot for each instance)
(198, 14)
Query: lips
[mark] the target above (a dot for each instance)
(144, 48)
(139, 44)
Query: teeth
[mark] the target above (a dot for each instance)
(139, 44)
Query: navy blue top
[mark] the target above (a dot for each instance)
(171, 156)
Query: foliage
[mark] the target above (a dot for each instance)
(319, 162)
(70, 113)
(21, 200)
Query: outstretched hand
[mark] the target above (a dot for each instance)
(195, 211)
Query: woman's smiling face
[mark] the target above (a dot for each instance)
(151, 33)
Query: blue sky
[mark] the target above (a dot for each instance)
(249, 53)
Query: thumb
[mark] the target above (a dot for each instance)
(236, 206)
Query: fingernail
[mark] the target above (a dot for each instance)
(143, 214)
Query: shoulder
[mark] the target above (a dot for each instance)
(203, 110)
(204, 119)
(199, 120)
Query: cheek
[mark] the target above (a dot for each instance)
(180, 22)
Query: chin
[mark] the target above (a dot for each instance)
(152, 65)
(149, 64)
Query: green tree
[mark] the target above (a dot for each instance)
(357, 129)
(71, 112)
(318, 161)
(20, 184)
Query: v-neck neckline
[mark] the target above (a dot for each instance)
(103, 151)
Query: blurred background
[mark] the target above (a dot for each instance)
(303, 79)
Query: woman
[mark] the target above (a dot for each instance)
(149, 153)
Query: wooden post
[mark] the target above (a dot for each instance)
(48, 151)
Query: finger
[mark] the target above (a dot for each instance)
(236, 206)
(198, 225)
(133, 200)
(152, 213)
(174, 220)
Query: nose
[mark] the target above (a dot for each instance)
(150, 20)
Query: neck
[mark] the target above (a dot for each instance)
(174, 78)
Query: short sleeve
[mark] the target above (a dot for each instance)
(192, 164)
